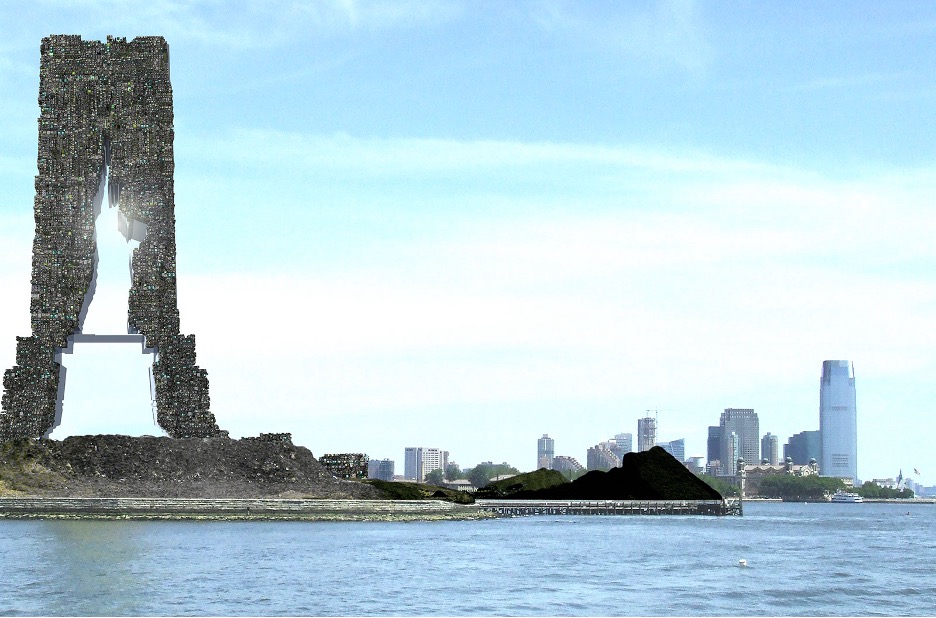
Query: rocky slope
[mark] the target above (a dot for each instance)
(122, 466)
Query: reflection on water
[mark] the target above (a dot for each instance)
(651, 565)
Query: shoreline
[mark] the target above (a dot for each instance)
(237, 509)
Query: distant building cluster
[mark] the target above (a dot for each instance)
(567, 465)
(420, 461)
(380, 469)
(346, 465)
(736, 437)
(754, 474)
(601, 457)
(106, 117)
(736, 441)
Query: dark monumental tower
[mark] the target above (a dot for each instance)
(106, 117)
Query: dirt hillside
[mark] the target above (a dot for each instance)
(122, 466)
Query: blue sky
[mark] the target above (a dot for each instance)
(467, 224)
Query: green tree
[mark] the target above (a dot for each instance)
(871, 489)
(453, 472)
(789, 487)
(480, 475)
(722, 486)
(436, 477)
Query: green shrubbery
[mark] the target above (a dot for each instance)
(872, 490)
(789, 487)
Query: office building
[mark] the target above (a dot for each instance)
(713, 451)
(770, 449)
(740, 438)
(802, 447)
(545, 451)
(838, 420)
(676, 448)
(420, 460)
(646, 433)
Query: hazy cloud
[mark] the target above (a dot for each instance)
(668, 31)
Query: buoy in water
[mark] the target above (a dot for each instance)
(742, 562)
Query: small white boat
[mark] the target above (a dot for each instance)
(844, 496)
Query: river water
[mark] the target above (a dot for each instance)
(802, 559)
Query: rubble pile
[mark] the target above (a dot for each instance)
(122, 466)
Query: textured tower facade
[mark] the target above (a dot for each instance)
(838, 420)
(105, 117)
(740, 438)
(770, 449)
(545, 451)
(646, 433)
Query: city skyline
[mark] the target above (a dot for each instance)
(434, 223)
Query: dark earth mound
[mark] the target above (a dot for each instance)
(147, 467)
(650, 475)
(528, 481)
(400, 490)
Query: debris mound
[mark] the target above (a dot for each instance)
(269, 466)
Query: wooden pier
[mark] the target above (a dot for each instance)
(519, 508)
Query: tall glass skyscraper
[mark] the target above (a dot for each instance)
(838, 420)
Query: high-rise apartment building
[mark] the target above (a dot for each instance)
(420, 460)
(838, 420)
(566, 464)
(646, 433)
(802, 447)
(770, 449)
(600, 457)
(745, 443)
(545, 451)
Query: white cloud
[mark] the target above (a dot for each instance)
(250, 24)
(746, 277)
(386, 157)
(667, 31)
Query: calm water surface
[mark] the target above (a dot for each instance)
(815, 559)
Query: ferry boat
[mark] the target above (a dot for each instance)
(844, 496)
